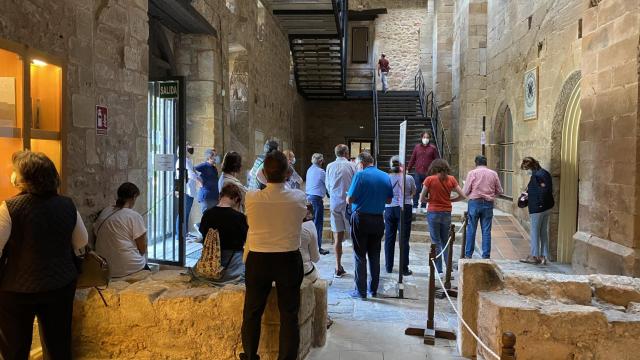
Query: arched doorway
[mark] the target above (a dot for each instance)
(568, 218)
(504, 149)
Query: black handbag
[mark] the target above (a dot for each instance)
(523, 200)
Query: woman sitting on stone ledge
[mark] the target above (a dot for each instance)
(232, 228)
(121, 236)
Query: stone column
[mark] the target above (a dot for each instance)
(442, 50)
(469, 78)
(608, 236)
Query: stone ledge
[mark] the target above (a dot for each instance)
(562, 316)
(164, 315)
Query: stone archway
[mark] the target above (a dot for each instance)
(558, 123)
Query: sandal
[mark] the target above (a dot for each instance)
(530, 260)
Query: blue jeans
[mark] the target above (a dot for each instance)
(540, 233)
(479, 210)
(439, 224)
(367, 231)
(391, 224)
(419, 178)
(318, 215)
(188, 203)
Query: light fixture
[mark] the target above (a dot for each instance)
(39, 63)
(361, 126)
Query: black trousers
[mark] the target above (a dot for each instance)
(261, 270)
(53, 309)
(366, 232)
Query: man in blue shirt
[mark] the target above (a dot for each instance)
(208, 178)
(370, 190)
(316, 191)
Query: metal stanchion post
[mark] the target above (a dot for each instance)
(430, 333)
(464, 235)
(508, 346)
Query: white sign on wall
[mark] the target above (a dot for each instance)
(531, 94)
(164, 162)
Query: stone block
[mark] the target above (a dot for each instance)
(166, 316)
(83, 110)
(320, 315)
(474, 276)
(545, 286)
(617, 290)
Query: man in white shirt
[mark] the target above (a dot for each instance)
(338, 179)
(275, 216)
(121, 236)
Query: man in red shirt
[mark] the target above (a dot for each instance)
(383, 71)
(423, 155)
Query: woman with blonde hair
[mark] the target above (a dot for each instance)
(436, 192)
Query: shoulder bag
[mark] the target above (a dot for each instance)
(94, 270)
(209, 265)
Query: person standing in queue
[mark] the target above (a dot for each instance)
(338, 179)
(39, 232)
(274, 215)
(370, 190)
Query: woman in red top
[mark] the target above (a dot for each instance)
(436, 191)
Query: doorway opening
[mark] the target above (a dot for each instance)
(569, 177)
(356, 146)
(166, 172)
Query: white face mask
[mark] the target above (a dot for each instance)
(293, 162)
(425, 141)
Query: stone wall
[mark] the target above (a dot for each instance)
(103, 46)
(238, 83)
(608, 238)
(469, 77)
(403, 35)
(560, 316)
(166, 315)
(329, 123)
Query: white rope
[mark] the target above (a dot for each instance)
(459, 317)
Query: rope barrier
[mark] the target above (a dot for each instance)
(461, 319)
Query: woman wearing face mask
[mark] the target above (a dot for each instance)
(540, 196)
(423, 155)
(232, 228)
(39, 232)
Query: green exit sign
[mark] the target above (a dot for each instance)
(169, 90)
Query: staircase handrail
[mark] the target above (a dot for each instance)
(429, 106)
(374, 96)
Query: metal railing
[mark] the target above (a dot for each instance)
(374, 96)
(429, 106)
(341, 12)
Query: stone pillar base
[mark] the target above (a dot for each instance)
(592, 254)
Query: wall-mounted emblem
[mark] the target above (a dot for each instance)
(531, 94)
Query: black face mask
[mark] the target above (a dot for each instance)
(190, 150)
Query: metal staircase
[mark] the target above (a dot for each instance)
(420, 111)
(316, 30)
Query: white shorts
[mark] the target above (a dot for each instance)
(339, 220)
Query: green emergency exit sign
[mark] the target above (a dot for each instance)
(169, 90)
